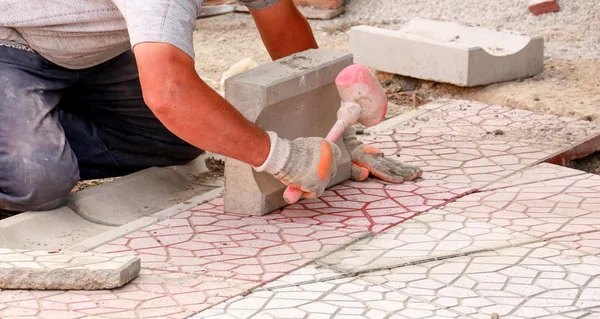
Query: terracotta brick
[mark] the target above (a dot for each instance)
(538, 7)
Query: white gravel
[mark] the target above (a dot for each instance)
(571, 33)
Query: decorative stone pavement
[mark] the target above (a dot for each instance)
(44, 270)
(488, 229)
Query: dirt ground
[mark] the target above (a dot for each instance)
(568, 86)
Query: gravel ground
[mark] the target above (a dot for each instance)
(572, 33)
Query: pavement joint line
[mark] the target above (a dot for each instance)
(486, 189)
(427, 260)
(143, 222)
(348, 274)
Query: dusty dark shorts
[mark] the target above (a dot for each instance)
(57, 125)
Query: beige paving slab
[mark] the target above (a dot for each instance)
(341, 299)
(541, 280)
(436, 234)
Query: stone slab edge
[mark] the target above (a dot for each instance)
(62, 270)
(581, 149)
(389, 124)
(143, 222)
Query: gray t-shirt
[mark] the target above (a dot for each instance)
(78, 34)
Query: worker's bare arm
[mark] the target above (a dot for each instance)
(192, 110)
(283, 29)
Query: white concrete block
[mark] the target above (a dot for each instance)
(60, 270)
(295, 97)
(448, 52)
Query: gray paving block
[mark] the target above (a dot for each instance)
(52, 230)
(59, 270)
(448, 52)
(295, 97)
(134, 196)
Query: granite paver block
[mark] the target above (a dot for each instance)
(539, 280)
(208, 241)
(152, 295)
(296, 97)
(448, 52)
(550, 209)
(434, 235)
(341, 298)
(46, 270)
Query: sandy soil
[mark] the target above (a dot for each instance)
(567, 86)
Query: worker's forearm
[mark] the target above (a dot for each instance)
(293, 33)
(204, 119)
(192, 110)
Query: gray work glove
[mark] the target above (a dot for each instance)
(305, 165)
(369, 160)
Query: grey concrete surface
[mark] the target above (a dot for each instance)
(50, 230)
(295, 97)
(448, 52)
(134, 196)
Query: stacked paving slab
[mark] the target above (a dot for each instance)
(489, 228)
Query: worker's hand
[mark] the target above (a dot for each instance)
(307, 164)
(367, 160)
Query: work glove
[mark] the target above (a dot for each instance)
(369, 160)
(304, 163)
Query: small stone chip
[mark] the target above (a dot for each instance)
(64, 270)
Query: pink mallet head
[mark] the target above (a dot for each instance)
(357, 84)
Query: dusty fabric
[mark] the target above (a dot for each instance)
(58, 124)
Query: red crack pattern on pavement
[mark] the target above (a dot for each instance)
(151, 295)
(207, 241)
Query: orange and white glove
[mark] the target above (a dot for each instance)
(369, 160)
(304, 163)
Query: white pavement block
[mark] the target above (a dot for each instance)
(295, 97)
(61, 270)
(448, 52)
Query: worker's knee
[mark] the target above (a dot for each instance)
(32, 186)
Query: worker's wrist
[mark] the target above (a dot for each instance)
(279, 154)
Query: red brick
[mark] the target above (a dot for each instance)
(538, 7)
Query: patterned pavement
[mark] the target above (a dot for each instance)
(488, 229)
